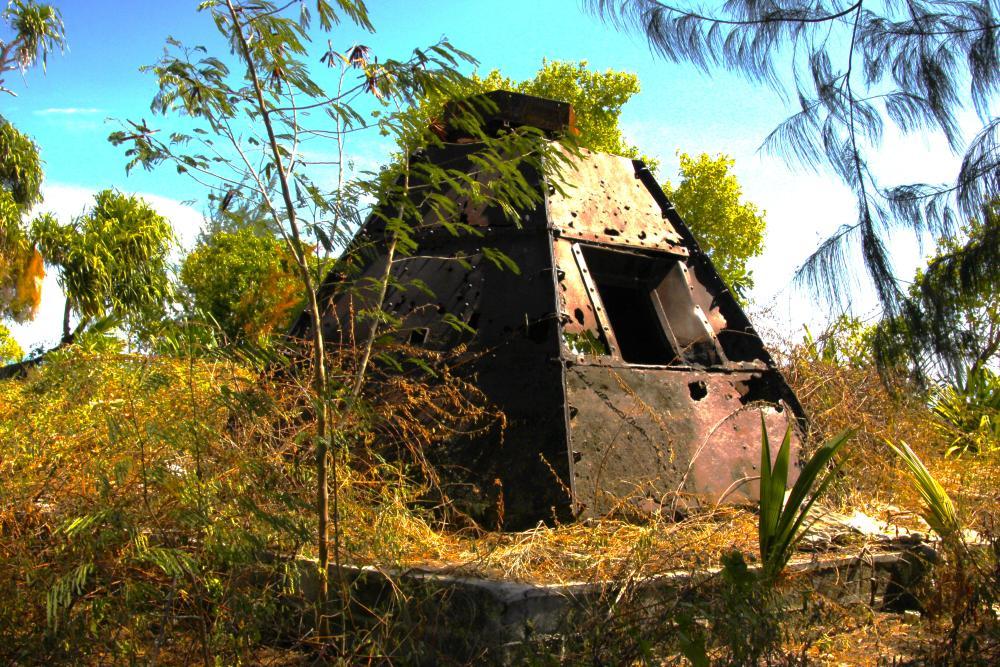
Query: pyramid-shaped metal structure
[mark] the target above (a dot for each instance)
(629, 375)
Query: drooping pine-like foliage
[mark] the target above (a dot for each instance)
(949, 324)
(856, 67)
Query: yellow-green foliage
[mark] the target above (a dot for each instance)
(150, 503)
(140, 491)
(730, 230)
(111, 260)
(838, 394)
(20, 167)
(10, 351)
(20, 265)
(123, 493)
(938, 510)
(597, 99)
(38, 31)
(245, 282)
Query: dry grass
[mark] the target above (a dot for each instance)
(607, 550)
(835, 397)
(840, 396)
(74, 437)
(864, 638)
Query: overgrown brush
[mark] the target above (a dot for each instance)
(155, 509)
(966, 586)
(129, 516)
(154, 505)
(969, 413)
(838, 396)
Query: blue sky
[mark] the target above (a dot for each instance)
(69, 113)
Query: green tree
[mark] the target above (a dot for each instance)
(731, 231)
(244, 282)
(111, 261)
(948, 327)
(21, 269)
(10, 351)
(847, 341)
(37, 30)
(857, 66)
(597, 98)
(945, 291)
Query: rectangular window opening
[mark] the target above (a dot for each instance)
(624, 282)
(648, 305)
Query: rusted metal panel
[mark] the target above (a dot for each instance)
(602, 201)
(709, 306)
(651, 438)
(518, 475)
(684, 319)
(575, 307)
(604, 329)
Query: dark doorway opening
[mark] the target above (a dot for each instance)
(625, 283)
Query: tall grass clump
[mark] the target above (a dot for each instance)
(969, 412)
(131, 520)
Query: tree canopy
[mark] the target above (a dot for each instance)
(10, 351)
(597, 98)
(730, 230)
(111, 261)
(21, 268)
(244, 282)
(856, 68)
(945, 293)
(37, 30)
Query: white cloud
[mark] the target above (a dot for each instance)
(186, 220)
(69, 201)
(66, 111)
(46, 329)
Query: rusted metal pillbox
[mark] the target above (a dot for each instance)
(629, 376)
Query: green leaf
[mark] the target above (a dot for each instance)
(939, 512)
(501, 260)
(781, 520)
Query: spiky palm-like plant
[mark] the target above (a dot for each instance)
(938, 510)
(781, 519)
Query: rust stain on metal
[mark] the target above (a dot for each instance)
(604, 202)
(665, 438)
(629, 375)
